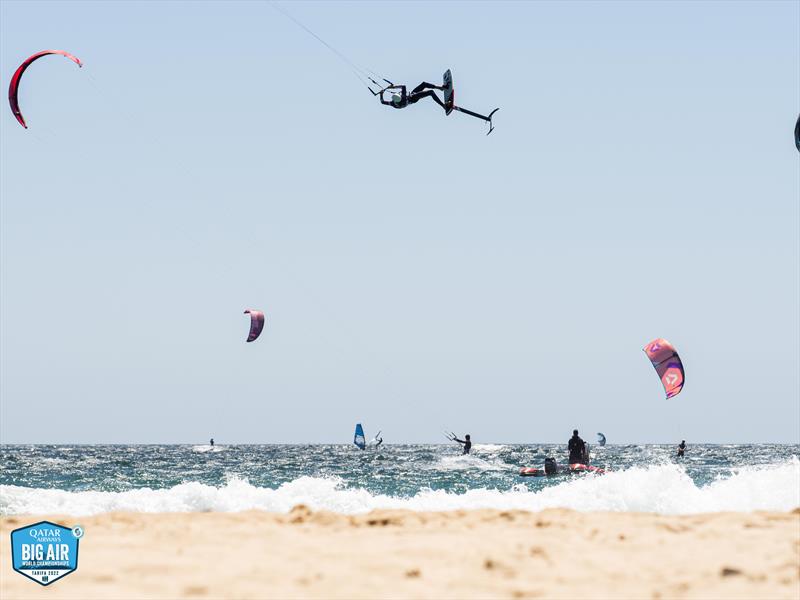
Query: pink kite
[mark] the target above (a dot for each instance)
(668, 365)
(256, 323)
(14, 85)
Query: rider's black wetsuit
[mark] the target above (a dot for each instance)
(577, 450)
(417, 94)
(467, 445)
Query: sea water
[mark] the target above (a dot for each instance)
(83, 480)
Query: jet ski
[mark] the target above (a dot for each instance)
(551, 468)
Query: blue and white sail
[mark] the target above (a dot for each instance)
(359, 439)
(601, 439)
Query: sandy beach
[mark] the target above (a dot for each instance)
(403, 554)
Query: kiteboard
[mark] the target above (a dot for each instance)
(449, 93)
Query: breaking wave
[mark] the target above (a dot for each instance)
(665, 489)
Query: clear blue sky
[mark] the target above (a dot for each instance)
(641, 182)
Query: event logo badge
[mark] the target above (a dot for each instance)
(45, 551)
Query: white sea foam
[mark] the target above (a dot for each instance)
(208, 448)
(662, 489)
(487, 448)
(465, 462)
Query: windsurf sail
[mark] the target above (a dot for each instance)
(601, 439)
(667, 364)
(359, 439)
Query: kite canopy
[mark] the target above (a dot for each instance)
(668, 365)
(13, 87)
(797, 134)
(256, 323)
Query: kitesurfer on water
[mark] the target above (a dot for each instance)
(211, 441)
(380, 441)
(577, 449)
(467, 443)
(400, 98)
(681, 448)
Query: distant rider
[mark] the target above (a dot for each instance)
(211, 441)
(550, 466)
(380, 441)
(466, 442)
(577, 449)
(681, 448)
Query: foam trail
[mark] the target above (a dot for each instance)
(208, 448)
(464, 462)
(487, 448)
(664, 489)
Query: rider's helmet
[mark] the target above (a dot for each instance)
(396, 98)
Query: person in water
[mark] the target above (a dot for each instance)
(577, 449)
(467, 443)
(400, 98)
(681, 448)
(211, 441)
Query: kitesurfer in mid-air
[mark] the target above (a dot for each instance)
(681, 448)
(399, 97)
(577, 449)
(466, 442)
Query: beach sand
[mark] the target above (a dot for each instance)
(402, 554)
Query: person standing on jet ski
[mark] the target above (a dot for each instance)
(577, 449)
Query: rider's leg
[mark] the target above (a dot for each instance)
(426, 86)
(417, 96)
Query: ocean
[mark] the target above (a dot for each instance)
(85, 480)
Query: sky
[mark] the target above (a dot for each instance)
(417, 275)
